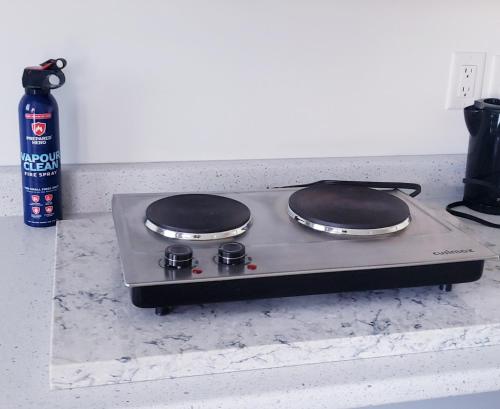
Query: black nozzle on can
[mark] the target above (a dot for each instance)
(46, 76)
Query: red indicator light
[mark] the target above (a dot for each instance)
(197, 271)
(252, 266)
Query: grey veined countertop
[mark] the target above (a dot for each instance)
(466, 360)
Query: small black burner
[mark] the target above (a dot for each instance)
(197, 217)
(344, 209)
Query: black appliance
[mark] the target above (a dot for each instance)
(482, 175)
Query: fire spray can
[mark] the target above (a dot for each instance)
(40, 154)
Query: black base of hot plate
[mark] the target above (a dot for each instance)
(162, 297)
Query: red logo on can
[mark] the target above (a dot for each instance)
(49, 197)
(35, 198)
(38, 128)
(49, 209)
(35, 210)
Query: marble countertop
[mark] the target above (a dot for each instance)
(467, 361)
(100, 338)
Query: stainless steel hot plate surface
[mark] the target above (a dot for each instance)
(276, 245)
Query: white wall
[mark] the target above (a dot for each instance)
(221, 79)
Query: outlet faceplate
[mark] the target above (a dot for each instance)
(466, 79)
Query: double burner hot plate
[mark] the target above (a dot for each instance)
(330, 208)
(326, 237)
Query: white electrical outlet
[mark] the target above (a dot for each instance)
(466, 79)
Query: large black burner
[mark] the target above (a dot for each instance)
(348, 209)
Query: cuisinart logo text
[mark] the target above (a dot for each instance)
(445, 252)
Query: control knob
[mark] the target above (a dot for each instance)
(231, 253)
(178, 255)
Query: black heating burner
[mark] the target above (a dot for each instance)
(344, 209)
(197, 217)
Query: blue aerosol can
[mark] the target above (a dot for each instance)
(40, 154)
